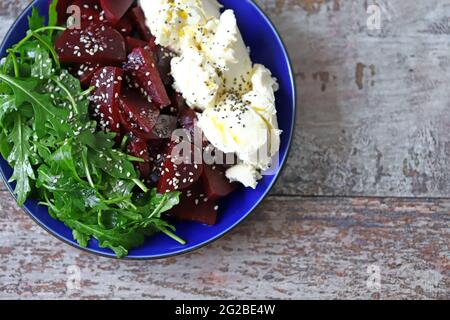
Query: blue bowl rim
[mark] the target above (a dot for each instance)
(230, 228)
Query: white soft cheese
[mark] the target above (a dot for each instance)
(245, 174)
(167, 19)
(201, 92)
(233, 127)
(214, 72)
(225, 47)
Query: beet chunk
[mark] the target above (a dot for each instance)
(164, 127)
(141, 113)
(98, 43)
(84, 72)
(114, 9)
(215, 183)
(138, 17)
(138, 148)
(178, 102)
(163, 58)
(133, 43)
(107, 82)
(142, 71)
(89, 10)
(124, 26)
(195, 206)
(180, 170)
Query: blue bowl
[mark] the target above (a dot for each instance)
(266, 48)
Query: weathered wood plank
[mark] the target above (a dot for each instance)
(290, 248)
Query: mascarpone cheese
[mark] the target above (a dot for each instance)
(213, 71)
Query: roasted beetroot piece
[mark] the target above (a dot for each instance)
(84, 72)
(138, 148)
(164, 127)
(133, 43)
(163, 58)
(141, 113)
(195, 206)
(89, 10)
(179, 169)
(115, 9)
(61, 9)
(215, 183)
(107, 82)
(89, 13)
(152, 44)
(138, 17)
(143, 73)
(96, 44)
(178, 102)
(158, 156)
(130, 128)
(124, 26)
(187, 118)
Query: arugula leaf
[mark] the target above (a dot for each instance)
(5, 146)
(44, 110)
(63, 159)
(120, 241)
(7, 106)
(113, 163)
(20, 159)
(35, 21)
(42, 68)
(81, 238)
(53, 14)
(57, 153)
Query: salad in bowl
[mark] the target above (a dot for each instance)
(123, 118)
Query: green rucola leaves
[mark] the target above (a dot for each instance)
(20, 159)
(57, 153)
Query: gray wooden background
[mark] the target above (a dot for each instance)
(362, 209)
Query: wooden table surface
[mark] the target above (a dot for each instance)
(362, 209)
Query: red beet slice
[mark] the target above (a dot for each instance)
(163, 58)
(138, 148)
(158, 156)
(115, 10)
(124, 26)
(143, 72)
(141, 113)
(195, 206)
(131, 128)
(61, 9)
(187, 118)
(84, 72)
(107, 82)
(180, 170)
(138, 17)
(90, 11)
(164, 127)
(215, 183)
(178, 102)
(96, 44)
(133, 43)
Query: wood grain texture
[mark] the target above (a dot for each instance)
(373, 105)
(372, 123)
(290, 248)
